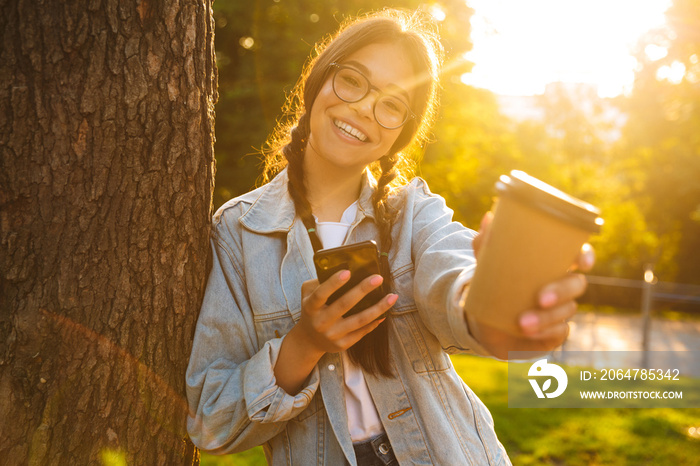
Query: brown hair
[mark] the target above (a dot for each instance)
(286, 145)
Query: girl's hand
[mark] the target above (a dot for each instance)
(545, 327)
(323, 329)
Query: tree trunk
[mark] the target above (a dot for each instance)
(106, 179)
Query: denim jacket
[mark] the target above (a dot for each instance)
(261, 256)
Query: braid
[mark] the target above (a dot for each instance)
(372, 352)
(383, 212)
(294, 153)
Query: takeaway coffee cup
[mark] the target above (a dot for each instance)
(536, 234)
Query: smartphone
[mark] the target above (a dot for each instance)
(362, 260)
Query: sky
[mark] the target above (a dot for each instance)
(521, 45)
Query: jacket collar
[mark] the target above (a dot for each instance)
(272, 208)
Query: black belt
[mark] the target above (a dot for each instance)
(376, 451)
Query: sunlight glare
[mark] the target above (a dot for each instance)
(112, 457)
(246, 42)
(673, 74)
(655, 52)
(522, 45)
(437, 12)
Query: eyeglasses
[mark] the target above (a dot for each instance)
(352, 86)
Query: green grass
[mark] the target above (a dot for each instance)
(252, 457)
(569, 437)
(582, 436)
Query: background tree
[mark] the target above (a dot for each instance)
(662, 137)
(473, 146)
(582, 156)
(106, 176)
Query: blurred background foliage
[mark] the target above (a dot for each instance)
(644, 172)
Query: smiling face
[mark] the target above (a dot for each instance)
(346, 135)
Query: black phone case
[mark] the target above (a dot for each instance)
(361, 259)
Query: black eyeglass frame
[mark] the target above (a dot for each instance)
(370, 87)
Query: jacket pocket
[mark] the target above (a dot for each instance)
(421, 346)
(306, 432)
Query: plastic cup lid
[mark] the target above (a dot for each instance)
(529, 190)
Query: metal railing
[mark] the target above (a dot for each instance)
(652, 291)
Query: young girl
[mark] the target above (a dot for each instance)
(272, 363)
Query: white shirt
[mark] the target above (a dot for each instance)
(363, 418)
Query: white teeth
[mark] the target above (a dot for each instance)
(350, 131)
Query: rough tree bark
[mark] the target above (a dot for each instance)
(106, 178)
